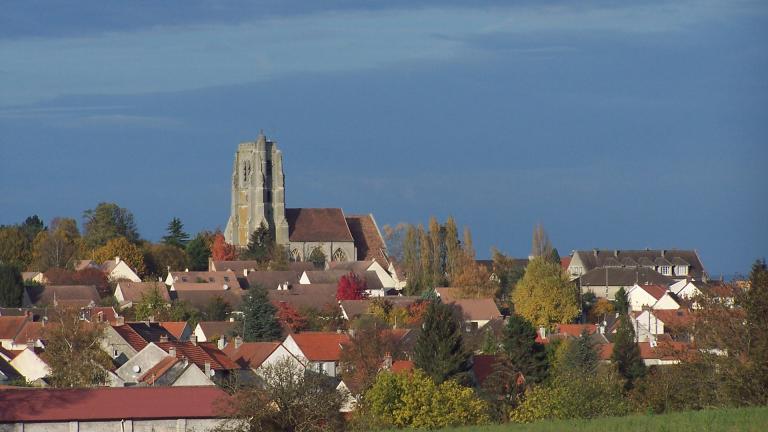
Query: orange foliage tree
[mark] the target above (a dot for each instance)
(221, 250)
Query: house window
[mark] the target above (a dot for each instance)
(339, 255)
(681, 270)
(664, 270)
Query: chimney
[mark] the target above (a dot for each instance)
(387, 363)
(663, 252)
(117, 260)
(222, 342)
(616, 253)
(238, 341)
(543, 332)
(172, 351)
(208, 369)
(193, 339)
(594, 252)
(184, 361)
(163, 338)
(120, 320)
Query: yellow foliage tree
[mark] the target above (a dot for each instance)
(544, 296)
(473, 279)
(127, 251)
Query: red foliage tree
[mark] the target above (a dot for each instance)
(291, 318)
(221, 250)
(351, 287)
(416, 312)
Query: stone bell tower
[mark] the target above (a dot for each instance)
(258, 192)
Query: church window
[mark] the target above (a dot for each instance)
(246, 171)
(339, 255)
(295, 255)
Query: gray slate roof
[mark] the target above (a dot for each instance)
(603, 258)
(623, 276)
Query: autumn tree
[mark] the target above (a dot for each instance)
(199, 250)
(544, 296)
(161, 258)
(221, 250)
(73, 351)
(106, 222)
(123, 248)
(259, 321)
(473, 279)
(15, 247)
(31, 227)
(351, 287)
(152, 304)
(56, 247)
(288, 399)
(362, 357)
(540, 244)
(11, 286)
(414, 400)
(291, 319)
(440, 350)
(217, 309)
(176, 235)
(508, 270)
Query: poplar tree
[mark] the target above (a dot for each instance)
(437, 254)
(259, 321)
(452, 246)
(425, 259)
(440, 350)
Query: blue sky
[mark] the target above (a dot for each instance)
(630, 126)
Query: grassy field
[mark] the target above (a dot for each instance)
(724, 420)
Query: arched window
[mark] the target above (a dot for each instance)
(339, 255)
(246, 172)
(295, 255)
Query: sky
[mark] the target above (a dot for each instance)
(643, 124)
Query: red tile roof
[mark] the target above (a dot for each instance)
(574, 330)
(133, 291)
(158, 370)
(321, 346)
(665, 350)
(132, 337)
(31, 331)
(657, 291)
(176, 328)
(200, 354)
(402, 366)
(368, 240)
(250, 354)
(215, 329)
(110, 403)
(108, 314)
(317, 225)
(10, 326)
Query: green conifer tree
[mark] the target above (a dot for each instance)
(259, 320)
(198, 252)
(621, 301)
(440, 350)
(525, 354)
(626, 353)
(11, 286)
(176, 235)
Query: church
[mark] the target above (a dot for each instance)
(258, 197)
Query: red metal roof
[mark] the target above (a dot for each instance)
(321, 346)
(110, 403)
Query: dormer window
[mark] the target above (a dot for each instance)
(665, 270)
(681, 270)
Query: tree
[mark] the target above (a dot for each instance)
(152, 304)
(626, 353)
(544, 295)
(161, 258)
(351, 287)
(221, 250)
(473, 279)
(525, 354)
(11, 286)
(540, 244)
(362, 357)
(621, 301)
(577, 355)
(261, 244)
(31, 227)
(73, 351)
(317, 257)
(288, 400)
(14, 247)
(413, 400)
(755, 304)
(123, 248)
(57, 246)
(440, 350)
(106, 222)
(259, 322)
(198, 251)
(217, 309)
(508, 270)
(291, 318)
(453, 252)
(176, 235)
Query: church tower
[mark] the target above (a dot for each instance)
(258, 192)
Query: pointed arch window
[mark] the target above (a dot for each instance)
(295, 255)
(339, 255)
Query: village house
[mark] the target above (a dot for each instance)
(207, 331)
(211, 279)
(676, 264)
(159, 409)
(605, 282)
(320, 351)
(651, 296)
(155, 366)
(128, 293)
(115, 269)
(60, 296)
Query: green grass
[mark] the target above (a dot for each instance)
(722, 420)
